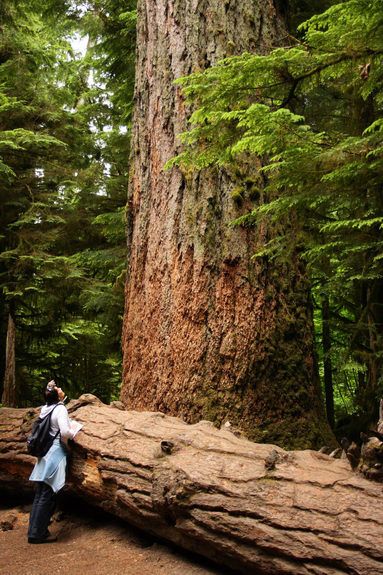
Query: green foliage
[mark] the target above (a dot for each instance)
(64, 147)
(313, 113)
(115, 25)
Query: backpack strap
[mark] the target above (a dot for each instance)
(50, 416)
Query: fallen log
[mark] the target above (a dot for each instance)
(253, 507)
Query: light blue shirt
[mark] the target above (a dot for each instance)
(51, 467)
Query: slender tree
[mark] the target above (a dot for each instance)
(208, 331)
(10, 395)
(327, 367)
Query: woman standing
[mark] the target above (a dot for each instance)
(49, 471)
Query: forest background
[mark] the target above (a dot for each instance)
(311, 109)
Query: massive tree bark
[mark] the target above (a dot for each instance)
(208, 331)
(253, 507)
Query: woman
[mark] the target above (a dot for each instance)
(49, 471)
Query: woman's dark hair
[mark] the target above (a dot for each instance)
(51, 396)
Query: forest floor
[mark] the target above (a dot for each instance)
(89, 543)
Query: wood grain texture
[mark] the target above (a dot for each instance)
(253, 507)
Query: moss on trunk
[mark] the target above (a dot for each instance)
(209, 332)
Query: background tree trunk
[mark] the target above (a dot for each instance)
(9, 397)
(327, 366)
(208, 331)
(253, 507)
(3, 339)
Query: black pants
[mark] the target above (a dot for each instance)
(42, 510)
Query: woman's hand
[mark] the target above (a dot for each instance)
(61, 393)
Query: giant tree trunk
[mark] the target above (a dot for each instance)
(253, 507)
(208, 331)
(9, 397)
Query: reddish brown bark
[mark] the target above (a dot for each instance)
(208, 332)
(9, 396)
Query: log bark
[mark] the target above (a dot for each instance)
(209, 332)
(253, 507)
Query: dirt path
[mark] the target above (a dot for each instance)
(88, 543)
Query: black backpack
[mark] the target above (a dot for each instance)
(40, 440)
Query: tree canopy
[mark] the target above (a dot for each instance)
(64, 135)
